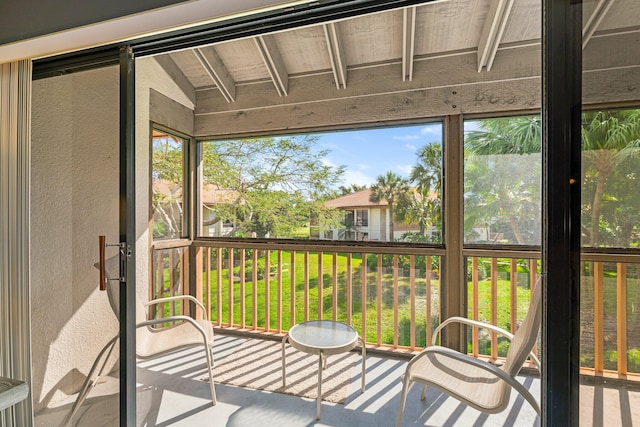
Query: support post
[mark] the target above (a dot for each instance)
(453, 280)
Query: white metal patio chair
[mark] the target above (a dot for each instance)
(150, 342)
(475, 382)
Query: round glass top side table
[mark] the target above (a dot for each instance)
(324, 338)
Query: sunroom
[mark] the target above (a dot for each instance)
(243, 137)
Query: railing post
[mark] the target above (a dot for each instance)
(476, 300)
(598, 316)
(379, 300)
(494, 307)
(363, 296)
(349, 287)
(396, 330)
(622, 318)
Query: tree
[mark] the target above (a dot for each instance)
(609, 138)
(423, 205)
(350, 189)
(504, 191)
(275, 184)
(167, 194)
(427, 173)
(390, 188)
(502, 177)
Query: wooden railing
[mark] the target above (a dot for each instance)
(610, 320)
(169, 276)
(500, 283)
(391, 295)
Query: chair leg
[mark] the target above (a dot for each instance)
(209, 352)
(403, 399)
(424, 392)
(89, 384)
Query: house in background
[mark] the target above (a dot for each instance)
(364, 220)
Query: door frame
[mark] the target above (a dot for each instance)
(127, 225)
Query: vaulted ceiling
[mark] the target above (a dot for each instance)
(445, 57)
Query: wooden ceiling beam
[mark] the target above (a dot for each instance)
(274, 63)
(408, 42)
(171, 68)
(216, 70)
(336, 54)
(492, 32)
(592, 24)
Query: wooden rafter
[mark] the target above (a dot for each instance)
(273, 61)
(408, 42)
(600, 11)
(336, 54)
(212, 64)
(171, 68)
(492, 32)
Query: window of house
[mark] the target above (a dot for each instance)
(306, 186)
(167, 175)
(362, 218)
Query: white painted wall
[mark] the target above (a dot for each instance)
(74, 198)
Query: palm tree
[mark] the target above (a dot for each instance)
(350, 189)
(390, 188)
(608, 138)
(423, 206)
(427, 173)
(506, 135)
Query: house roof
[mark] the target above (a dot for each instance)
(210, 193)
(359, 199)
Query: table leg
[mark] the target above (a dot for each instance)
(284, 373)
(319, 398)
(364, 358)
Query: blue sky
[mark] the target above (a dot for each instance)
(372, 152)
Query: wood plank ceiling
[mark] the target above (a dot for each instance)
(461, 56)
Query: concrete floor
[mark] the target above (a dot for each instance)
(170, 393)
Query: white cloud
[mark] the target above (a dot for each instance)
(362, 166)
(326, 162)
(411, 147)
(406, 169)
(431, 130)
(356, 177)
(406, 137)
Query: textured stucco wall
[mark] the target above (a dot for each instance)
(74, 198)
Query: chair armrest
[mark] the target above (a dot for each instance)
(469, 322)
(483, 325)
(482, 365)
(180, 297)
(175, 319)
